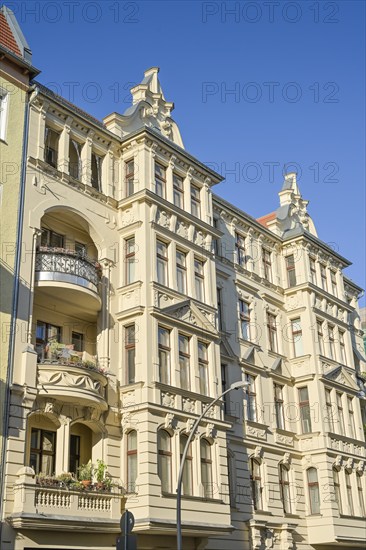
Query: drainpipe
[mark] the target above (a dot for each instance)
(29, 99)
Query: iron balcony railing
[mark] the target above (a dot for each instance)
(60, 260)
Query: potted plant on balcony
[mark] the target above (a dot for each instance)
(104, 482)
(85, 473)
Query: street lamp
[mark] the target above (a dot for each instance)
(234, 386)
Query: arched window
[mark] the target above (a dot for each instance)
(256, 484)
(337, 489)
(187, 472)
(285, 488)
(165, 461)
(313, 489)
(131, 461)
(206, 468)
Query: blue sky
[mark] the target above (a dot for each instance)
(295, 70)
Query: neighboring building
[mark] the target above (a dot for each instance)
(363, 325)
(148, 296)
(15, 72)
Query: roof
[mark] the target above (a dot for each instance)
(264, 220)
(7, 38)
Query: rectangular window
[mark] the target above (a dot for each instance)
(77, 340)
(184, 361)
(267, 264)
(4, 102)
(272, 332)
(297, 337)
(351, 417)
(130, 354)
(291, 271)
(178, 193)
(312, 271)
(203, 367)
(51, 147)
(337, 490)
(333, 281)
(46, 334)
(256, 484)
(131, 461)
(305, 415)
(43, 451)
(96, 171)
(74, 460)
(199, 280)
(160, 180)
(279, 406)
(342, 430)
(329, 408)
(195, 201)
(342, 347)
(331, 342)
(215, 240)
(80, 249)
(219, 308)
(75, 164)
(240, 249)
(319, 328)
(361, 500)
(51, 239)
(251, 398)
(164, 355)
(351, 511)
(130, 260)
(162, 262)
(244, 309)
(181, 259)
(323, 277)
(224, 387)
(285, 489)
(130, 177)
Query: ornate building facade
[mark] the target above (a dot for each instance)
(144, 297)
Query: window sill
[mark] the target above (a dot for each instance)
(193, 498)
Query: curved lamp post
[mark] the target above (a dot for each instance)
(234, 386)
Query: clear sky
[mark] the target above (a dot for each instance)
(256, 84)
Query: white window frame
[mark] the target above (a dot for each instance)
(4, 108)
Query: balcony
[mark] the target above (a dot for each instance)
(65, 272)
(37, 507)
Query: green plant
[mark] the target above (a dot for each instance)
(100, 471)
(85, 472)
(67, 478)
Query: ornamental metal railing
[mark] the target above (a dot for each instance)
(59, 260)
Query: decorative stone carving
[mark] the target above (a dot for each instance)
(182, 229)
(167, 399)
(258, 452)
(286, 459)
(129, 398)
(338, 461)
(256, 432)
(284, 439)
(163, 218)
(128, 217)
(349, 464)
(210, 430)
(169, 419)
(188, 405)
(189, 424)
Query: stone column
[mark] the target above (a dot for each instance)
(169, 179)
(64, 147)
(86, 155)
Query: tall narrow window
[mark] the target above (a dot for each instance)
(184, 361)
(279, 409)
(342, 347)
(291, 270)
(195, 201)
(165, 461)
(160, 180)
(251, 397)
(337, 489)
(43, 451)
(162, 262)
(77, 340)
(130, 354)
(312, 271)
(319, 328)
(285, 488)
(244, 309)
(361, 499)
(272, 332)
(342, 430)
(130, 260)
(219, 308)
(351, 511)
(51, 147)
(267, 264)
(329, 419)
(224, 387)
(351, 418)
(46, 334)
(203, 367)
(240, 249)
(333, 281)
(297, 337)
(305, 415)
(164, 355)
(74, 456)
(181, 259)
(199, 280)
(131, 461)
(256, 484)
(96, 172)
(130, 177)
(75, 165)
(187, 480)
(313, 488)
(331, 342)
(178, 195)
(206, 469)
(4, 102)
(323, 277)
(215, 240)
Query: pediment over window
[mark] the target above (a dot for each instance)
(225, 349)
(340, 375)
(279, 367)
(189, 313)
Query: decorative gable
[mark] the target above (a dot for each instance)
(188, 312)
(341, 376)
